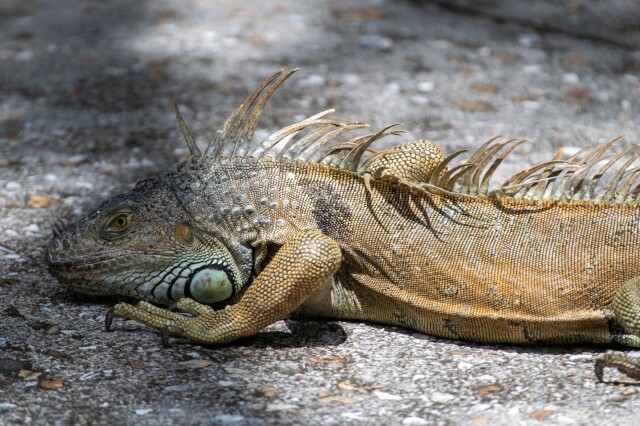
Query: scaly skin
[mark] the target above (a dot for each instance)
(242, 236)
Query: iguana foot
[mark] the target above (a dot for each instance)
(111, 313)
(169, 322)
(620, 360)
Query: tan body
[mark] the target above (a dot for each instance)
(516, 271)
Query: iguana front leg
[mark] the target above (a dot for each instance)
(626, 307)
(304, 262)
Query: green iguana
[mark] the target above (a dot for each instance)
(304, 222)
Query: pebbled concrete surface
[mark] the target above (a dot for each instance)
(85, 111)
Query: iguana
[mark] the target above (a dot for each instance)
(305, 222)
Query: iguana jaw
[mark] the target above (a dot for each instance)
(98, 274)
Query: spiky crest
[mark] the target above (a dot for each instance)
(559, 179)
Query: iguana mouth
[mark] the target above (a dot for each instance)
(96, 261)
(92, 262)
(80, 268)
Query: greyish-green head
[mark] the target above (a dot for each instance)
(143, 244)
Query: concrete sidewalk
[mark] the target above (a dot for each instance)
(85, 111)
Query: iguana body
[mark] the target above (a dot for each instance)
(304, 225)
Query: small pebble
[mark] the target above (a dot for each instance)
(528, 40)
(24, 56)
(229, 418)
(533, 69)
(426, 86)
(419, 100)
(442, 397)
(387, 396)
(77, 159)
(7, 405)
(414, 421)
(377, 41)
(486, 378)
(484, 51)
(13, 186)
(581, 357)
(31, 228)
(178, 388)
(88, 348)
(353, 416)
(392, 88)
(350, 79)
(281, 407)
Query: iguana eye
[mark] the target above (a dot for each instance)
(119, 223)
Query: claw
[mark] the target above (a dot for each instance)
(599, 369)
(108, 319)
(164, 335)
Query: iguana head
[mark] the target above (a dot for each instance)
(144, 244)
(151, 243)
